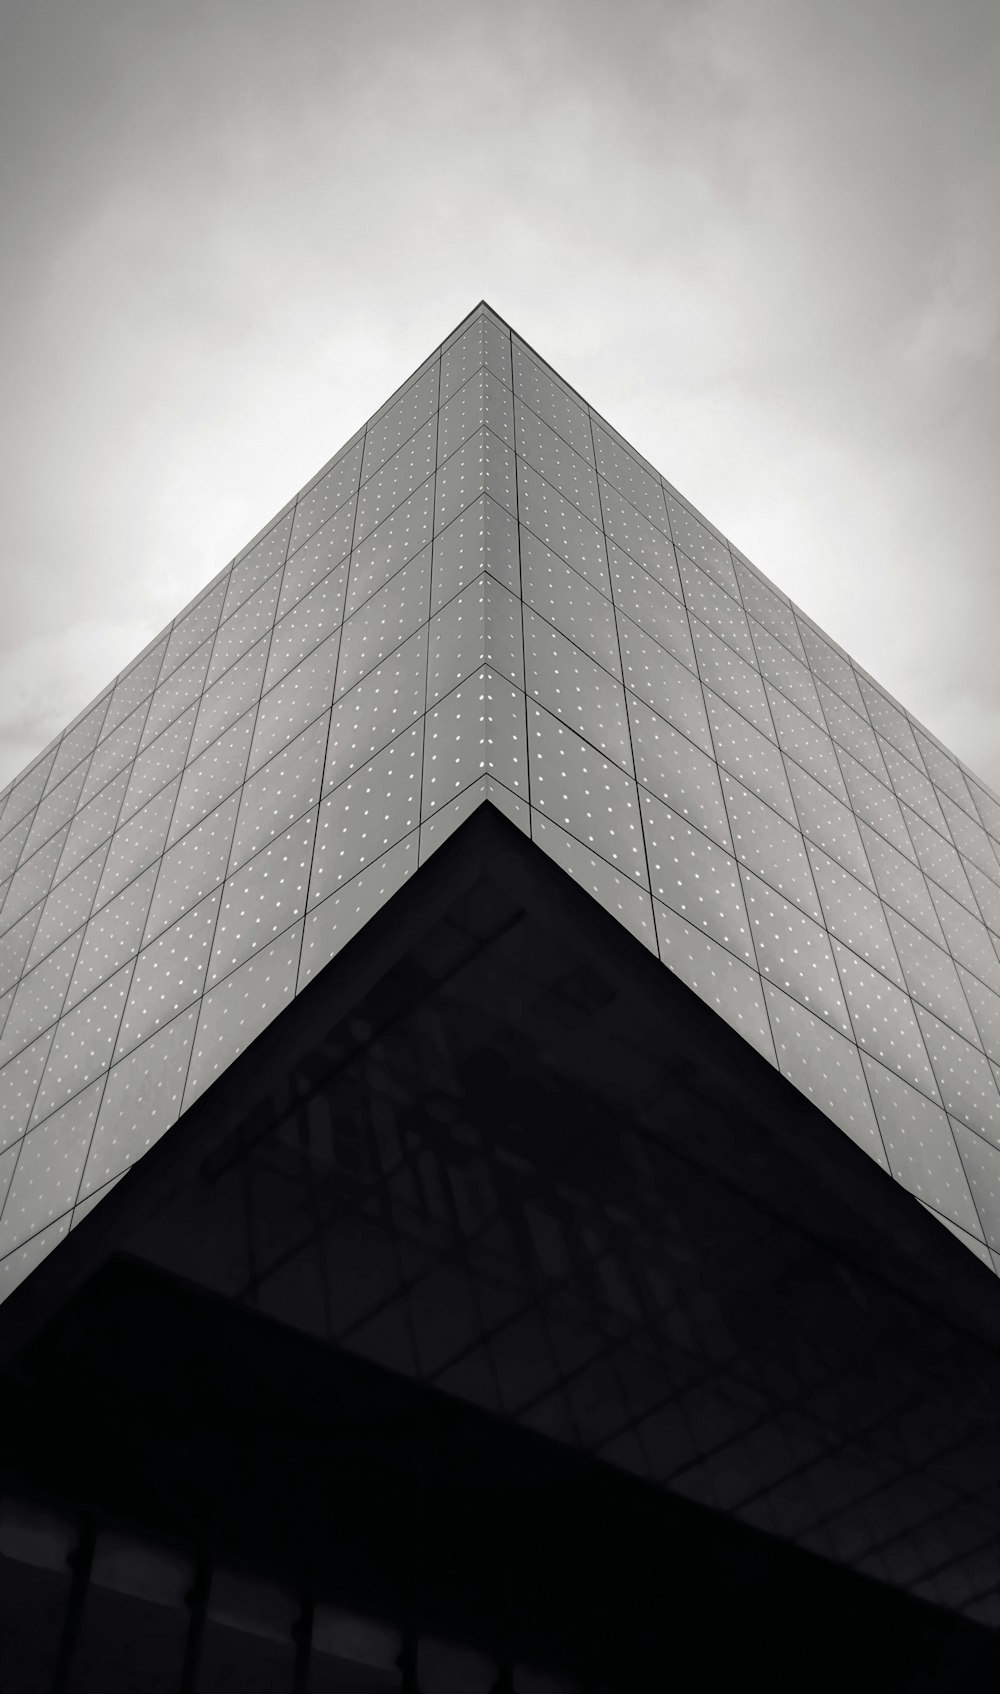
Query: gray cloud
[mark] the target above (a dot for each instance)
(759, 235)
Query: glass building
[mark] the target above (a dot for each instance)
(707, 1251)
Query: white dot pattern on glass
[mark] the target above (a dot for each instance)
(826, 1066)
(550, 400)
(576, 689)
(368, 813)
(162, 895)
(327, 495)
(561, 465)
(695, 878)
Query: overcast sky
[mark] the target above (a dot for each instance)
(761, 236)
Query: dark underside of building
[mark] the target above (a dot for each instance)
(501, 1299)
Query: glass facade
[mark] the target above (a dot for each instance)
(488, 595)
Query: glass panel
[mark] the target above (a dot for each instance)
(889, 721)
(376, 709)
(384, 492)
(695, 878)
(698, 542)
(769, 609)
(176, 694)
(749, 756)
(137, 844)
(239, 1007)
(18, 1086)
(235, 693)
(559, 463)
(829, 824)
(141, 1100)
(732, 678)
(257, 565)
(31, 881)
(943, 771)
(665, 684)
(969, 837)
(82, 1046)
(478, 727)
(620, 467)
(884, 1022)
(968, 938)
(47, 1173)
(26, 792)
(875, 803)
(327, 549)
(852, 732)
(483, 538)
(785, 673)
(113, 754)
(826, 1067)
(326, 495)
(212, 777)
(931, 976)
(938, 859)
(401, 420)
(134, 687)
(385, 621)
(10, 848)
(591, 798)
(913, 787)
(855, 915)
(800, 738)
(331, 924)
(901, 885)
(982, 1167)
(462, 358)
(193, 867)
(921, 1146)
(312, 619)
(161, 761)
(244, 629)
(985, 1009)
(656, 611)
(794, 953)
(438, 826)
(67, 906)
(39, 998)
(55, 810)
(576, 689)
(678, 772)
(768, 845)
(280, 792)
(192, 629)
(293, 703)
(169, 974)
(967, 1084)
(483, 401)
(113, 936)
(92, 825)
(717, 977)
(562, 528)
(367, 814)
(79, 740)
(444, 1668)
(987, 897)
(569, 602)
(382, 554)
(19, 1264)
(263, 899)
(834, 669)
(484, 465)
(551, 401)
(724, 616)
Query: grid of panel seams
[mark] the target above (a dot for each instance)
(489, 594)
